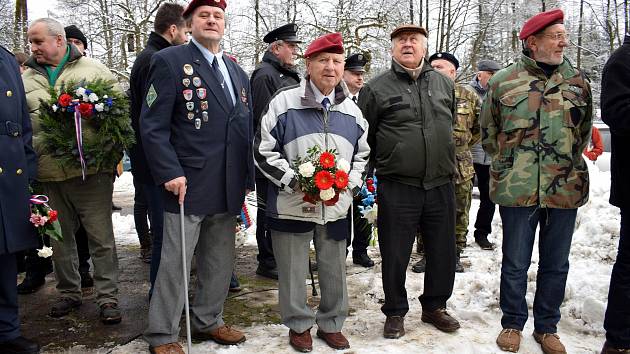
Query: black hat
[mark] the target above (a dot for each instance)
(287, 33)
(355, 62)
(488, 65)
(73, 31)
(446, 56)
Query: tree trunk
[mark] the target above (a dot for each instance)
(20, 40)
(426, 15)
(580, 26)
(420, 13)
(410, 11)
(257, 31)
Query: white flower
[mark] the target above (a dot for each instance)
(327, 194)
(99, 107)
(93, 97)
(344, 165)
(45, 252)
(80, 91)
(86, 98)
(370, 213)
(105, 96)
(55, 108)
(306, 169)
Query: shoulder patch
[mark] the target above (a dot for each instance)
(151, 95)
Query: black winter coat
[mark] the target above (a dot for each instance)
(615, 100)
(18, 162)
(138, 88)
(267, 78)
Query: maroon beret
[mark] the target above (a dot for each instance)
(541, 21)
(196, 3)
(329, 43)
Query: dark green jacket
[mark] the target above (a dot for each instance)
(411, 126)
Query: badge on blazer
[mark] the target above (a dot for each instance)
(244, 95)
(201, 93)
(197, 123)
(204, 115)
(188, 94)
(151, 95)
(204, 105)
(196, 81)
(191, 115)
(188, 69)
(186, 81)
(190, 106)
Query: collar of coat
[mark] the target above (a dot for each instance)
(273, 60)
(33, 64)
(157, 41)
(565, 69)
(403, 72)
(308, 99)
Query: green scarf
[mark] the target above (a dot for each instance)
(54, 74)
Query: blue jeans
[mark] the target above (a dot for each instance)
(519, 232)
(617, 320)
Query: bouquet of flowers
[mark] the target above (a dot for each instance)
(320, 176)
(91, 109)
(44, 219)
(369, 208)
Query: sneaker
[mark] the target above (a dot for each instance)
(30, 284)
(550, 343)
(441, 320)
(420, 266)
(509, 340)
(110, 314)
(64, 306)
(483, 242)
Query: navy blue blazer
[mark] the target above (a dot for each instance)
(188, 129)
(18, 162)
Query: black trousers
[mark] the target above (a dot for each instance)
(402, 209)
(263, 236)
(483, 223)
(362, 231)
(83, 251)
(9, 320)
(617, 319)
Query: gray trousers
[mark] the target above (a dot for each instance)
(291, 252)
(213, 237)
(88, 203)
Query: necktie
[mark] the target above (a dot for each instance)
(226, 90)
(326, 103)
(354, 98)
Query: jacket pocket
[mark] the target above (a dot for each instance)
(574, 108)
(192, 161)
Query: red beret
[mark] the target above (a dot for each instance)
(329, 43)
(196, 3)
(541, 21)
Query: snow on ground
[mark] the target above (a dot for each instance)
(475, 296)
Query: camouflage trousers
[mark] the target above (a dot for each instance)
(463, 198)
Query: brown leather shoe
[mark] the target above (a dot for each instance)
(334, 340)
(608, 349)
(394, 327)
(168, 348)
(302, 342)
(550, 343)
(441, 320)
(509, 340)
(223, 335)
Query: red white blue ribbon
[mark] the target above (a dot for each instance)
(79, 136)
(39, 199)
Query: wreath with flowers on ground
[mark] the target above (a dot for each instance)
(75, 106)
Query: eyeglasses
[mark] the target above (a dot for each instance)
(558, 36)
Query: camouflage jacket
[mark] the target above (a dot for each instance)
(466, 132)
(536, 128)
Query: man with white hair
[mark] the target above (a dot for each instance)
(86, 201)
(411, 110)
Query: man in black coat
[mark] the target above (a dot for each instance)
(18, 167)
(274, 72)
(197, 130)
(169, 29)
(616, 113)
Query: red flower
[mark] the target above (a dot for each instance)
(309, 198)
(64, 100)
(85, 109)
(369, 181)
(341, 179)
(327, 160)
(52, 215)
(332, 201)
(371, 188)
(324, 180)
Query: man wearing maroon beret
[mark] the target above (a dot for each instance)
(411, 110)
(196, 128)
(315, 113)
(536, 121)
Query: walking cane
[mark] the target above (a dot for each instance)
(185, 273)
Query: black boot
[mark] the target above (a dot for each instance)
(420, 265)
(86, 280)
(482, 241)
(19, 345)
(459, 268)
(31, 283)
(362, 259)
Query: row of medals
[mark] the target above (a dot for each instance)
(188, 96)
